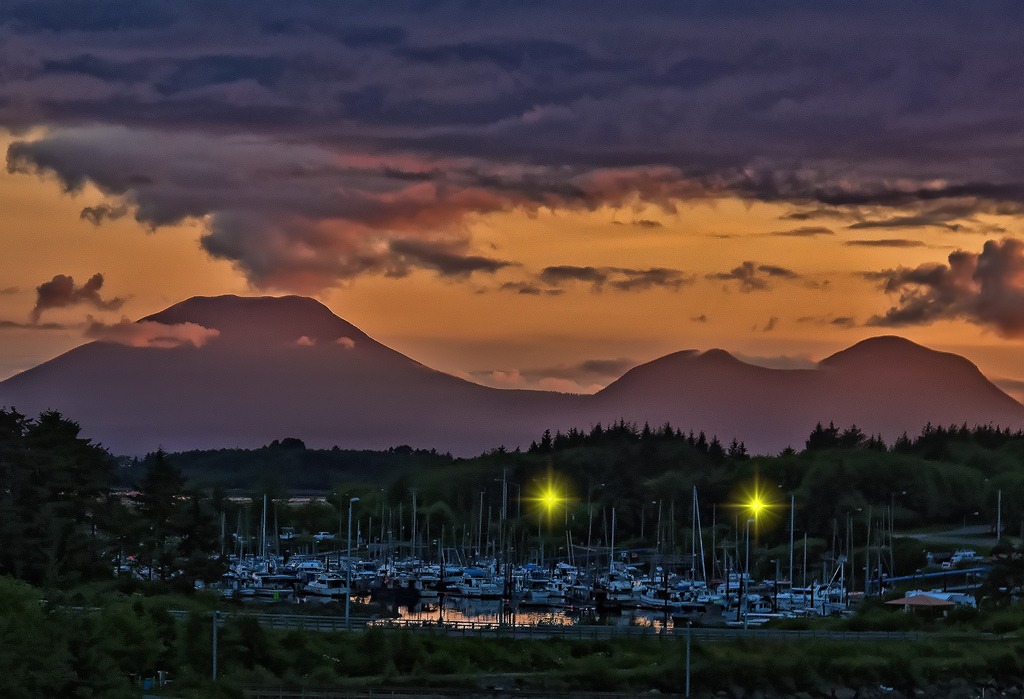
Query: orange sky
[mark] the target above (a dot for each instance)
(470, 327)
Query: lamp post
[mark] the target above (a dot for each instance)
(348, 567)
(214, 670)
(792, 522)
(688, 624)
(746, 577)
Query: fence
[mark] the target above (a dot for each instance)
(380, 693)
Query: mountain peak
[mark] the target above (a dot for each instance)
(262, 319)
(718, 356)
(885, 351)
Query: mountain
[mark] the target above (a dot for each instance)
(884, 385)
(271, 367)
(279, 366)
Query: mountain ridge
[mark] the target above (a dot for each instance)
(289, 366)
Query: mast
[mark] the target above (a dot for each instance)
(693, 535)
(611, 551)
(792, 511)
(700, 535)
(263, 530)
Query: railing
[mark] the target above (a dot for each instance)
(592, 631)
(329, 623)
(291, 693)
(324, 623)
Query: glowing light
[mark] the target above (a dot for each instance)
(551, 496)
(755, 503)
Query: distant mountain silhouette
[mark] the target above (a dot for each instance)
(885, 385)
(287, 366)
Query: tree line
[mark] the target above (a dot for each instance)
(69, 511)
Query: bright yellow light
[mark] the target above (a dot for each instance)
(756, 505)
(551, 496)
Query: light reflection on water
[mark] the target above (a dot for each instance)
(489, 612)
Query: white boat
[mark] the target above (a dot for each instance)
(658, 599)
(332, 585)
(543, 593)
(479, 587)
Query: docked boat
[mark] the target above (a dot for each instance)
(331, 585)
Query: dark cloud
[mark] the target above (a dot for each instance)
(886, 243)
(772, 323)
(96, 215)
(561, 274)
(815, 213)
(912, 221)
(986, 288)
(618, 278)
(9, 291)
(702, 318)
(308, 140)
(445, 257)
(16, 325)
(565, 377)
(327, 214)
(529, 289)
(641, 223)
(776, 271)
(836, 321)
(61, 292)
(803, 232)
(642, 279)
(753, 277)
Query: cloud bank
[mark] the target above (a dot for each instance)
(318, 146)
(754, 277)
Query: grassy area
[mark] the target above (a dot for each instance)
(47, 649)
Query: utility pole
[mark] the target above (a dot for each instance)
(214, 673)
(348, 567)
(999, 515)
(688, 624)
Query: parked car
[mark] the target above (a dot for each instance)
(323, 536)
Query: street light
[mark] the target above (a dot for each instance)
(348, 567)
(746, 575)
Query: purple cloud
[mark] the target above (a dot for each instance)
(313, 144)
(61, 292)
(986, 288)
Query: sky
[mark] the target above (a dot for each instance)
(524, 194)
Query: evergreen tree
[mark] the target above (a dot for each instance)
(160, 499)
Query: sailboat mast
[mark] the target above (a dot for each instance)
(263, 530)
(611, 553)
(700, 534)
(792, 523)
(693, 534)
